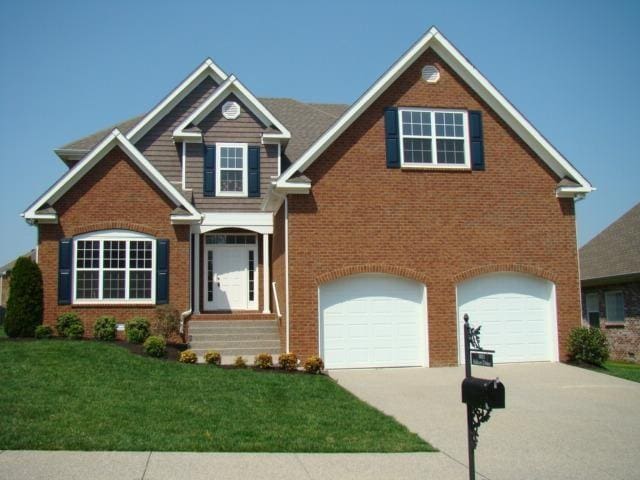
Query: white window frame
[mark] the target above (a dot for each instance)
(606, 306)
(434, 147)
(245, 169)
(114, 235)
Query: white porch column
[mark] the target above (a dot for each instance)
(265, 273)
(196, 273)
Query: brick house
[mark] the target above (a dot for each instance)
(362, 233)
(610, 277)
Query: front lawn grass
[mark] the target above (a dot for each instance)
(85, 395)
(628, 371)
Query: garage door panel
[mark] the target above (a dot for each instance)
(382, 322)
(515, 312)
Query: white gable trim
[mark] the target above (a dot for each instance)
(229, 86)
(207, 69)
(115, 138)
(434, 39)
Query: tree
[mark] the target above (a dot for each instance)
(24, 306)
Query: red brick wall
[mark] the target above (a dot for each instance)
(439, 224)
(115, 194)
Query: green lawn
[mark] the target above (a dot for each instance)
(76, 395)
(628, 371)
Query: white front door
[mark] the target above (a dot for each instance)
(229, 276)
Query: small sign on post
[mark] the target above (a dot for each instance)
(482, 359)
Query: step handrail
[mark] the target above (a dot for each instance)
(275, 299)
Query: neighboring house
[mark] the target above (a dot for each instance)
(610, 276)
(5, 281)
(363, 234)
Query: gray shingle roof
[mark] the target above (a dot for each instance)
(305, 121)
(615, 251)
(9, 266)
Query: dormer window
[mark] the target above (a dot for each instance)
(231, 174)
(434, 138)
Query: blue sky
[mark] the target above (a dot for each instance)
(69, 68)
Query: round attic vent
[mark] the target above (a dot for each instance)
(231, 110)
(430, 74)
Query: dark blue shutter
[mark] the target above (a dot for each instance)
(65, 259)
(162, 271)
(209, 187)
(392, 137)
(476, 141)
(254, 171)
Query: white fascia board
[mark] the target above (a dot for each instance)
(434, 39)
(232, 85)
(566, 192)
(187, 137)
(286, 187)
(260, 222)
(274, 138)
(73, 175)
(206, 69)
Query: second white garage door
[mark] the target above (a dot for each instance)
(373, 321)
(517, 315)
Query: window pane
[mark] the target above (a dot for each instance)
(113, 284)
(140, 254)
(230, 157)
(140, 284)
(231, 181)
(114, 254)
(615, 306)
(416, 123)
(417, 150)
(449, 124)
(87, 284)
(450, 151)
(88, 253)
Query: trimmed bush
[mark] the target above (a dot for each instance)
(240, 362)
(313, 364)
(263, 361)
(24, 305)
(166, 322)
(588, 345)
(213, 358)
(75, 331)
(43, 331)
(155, 346)
(105, 329)
(188, 356)
(68, 322)
(288, 362)
(137, 330)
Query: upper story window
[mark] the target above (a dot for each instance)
(434, 138)
(113, 267)
(231, 174)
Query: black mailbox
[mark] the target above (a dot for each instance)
(479, 392)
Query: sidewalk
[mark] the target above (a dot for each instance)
(36, 465)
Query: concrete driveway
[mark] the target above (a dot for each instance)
(561, 422)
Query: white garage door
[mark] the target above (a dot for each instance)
(517, 315)
(373, 321)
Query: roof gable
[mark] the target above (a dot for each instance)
(35, 211)
(230, 86)
(435, 40)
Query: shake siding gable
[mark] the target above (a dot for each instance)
(158, 146)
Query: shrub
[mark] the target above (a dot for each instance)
(43, 331)
(105, 329)
(263, 360)
(240, 362)
(588, 345)
(288, 362)
(68, 321)
(166, 322)
(137, 330)
(188, 356)
(155, 346)
(313, 364)
(213, 358)
(24, 305)
(75, 331)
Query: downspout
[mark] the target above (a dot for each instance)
(188, 312)
(286, 267)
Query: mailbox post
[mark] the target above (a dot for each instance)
(480, 395)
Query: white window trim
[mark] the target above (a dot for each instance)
(434, 138)
(113, 235)
(245, 169)
(606, 309)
